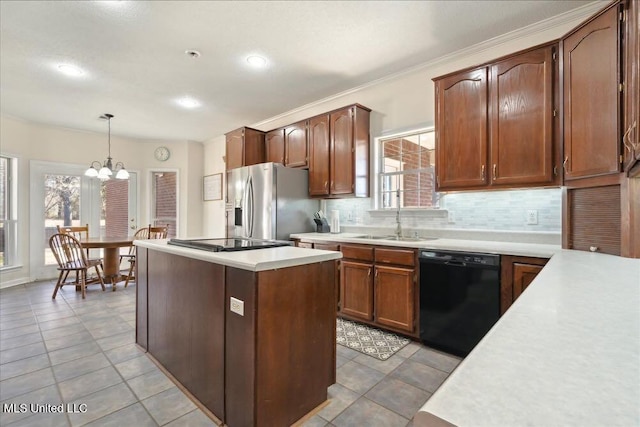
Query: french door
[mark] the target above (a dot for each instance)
(61, 195)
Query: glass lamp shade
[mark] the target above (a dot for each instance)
(105, 171)
(122, 174)
(91, 172)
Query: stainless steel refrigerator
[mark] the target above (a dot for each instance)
(269, 201)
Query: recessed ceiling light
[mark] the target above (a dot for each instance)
(188, 102)
(256, 61)
(70, 70)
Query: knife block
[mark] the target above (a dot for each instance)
(322, 226)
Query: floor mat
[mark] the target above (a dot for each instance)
(368, 340)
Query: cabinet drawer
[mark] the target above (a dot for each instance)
(395, 256)
(327, 246)
(305, 245)
(364, 253)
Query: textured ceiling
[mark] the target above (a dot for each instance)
(133, 55)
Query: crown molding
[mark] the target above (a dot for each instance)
(582, 12)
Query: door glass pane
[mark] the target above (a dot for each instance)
(61, 207)
(164, 200)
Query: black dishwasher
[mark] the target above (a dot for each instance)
(459, 298)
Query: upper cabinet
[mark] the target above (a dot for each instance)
(631, 72)
(495, 124)
(288, 145)
(319, 148)
(295, 145)
(522, 118)
(339, 153)
(244, 147)
(592, 90)
(461, 130)
(274, 146)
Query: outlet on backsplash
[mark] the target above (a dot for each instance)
(451, 217)
(532, 217)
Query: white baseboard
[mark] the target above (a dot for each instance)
(15, 282)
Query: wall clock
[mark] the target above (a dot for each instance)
(162, 154)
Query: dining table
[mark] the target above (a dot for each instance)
(111, 261)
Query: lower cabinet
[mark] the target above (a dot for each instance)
(356, 289)
(516, 275)
(394, 297)
(378, 286)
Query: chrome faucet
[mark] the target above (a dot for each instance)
(398, 224)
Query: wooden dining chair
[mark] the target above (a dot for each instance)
(80, 233)
(150, 232)
(70, 256)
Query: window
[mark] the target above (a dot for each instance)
(8, 206)
(406, 171)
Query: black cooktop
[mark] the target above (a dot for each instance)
(228, 245)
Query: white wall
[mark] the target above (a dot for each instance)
(31, 141)
(213, 219)
(406, 100)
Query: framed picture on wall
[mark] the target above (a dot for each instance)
(212, 187)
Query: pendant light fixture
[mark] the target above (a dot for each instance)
(106, 168)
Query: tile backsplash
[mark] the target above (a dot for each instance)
(483, 210)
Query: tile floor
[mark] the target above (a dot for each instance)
(83, 353)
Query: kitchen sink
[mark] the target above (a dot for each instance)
(396, 238)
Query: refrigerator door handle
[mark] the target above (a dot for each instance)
(245, 209)
(250, 198)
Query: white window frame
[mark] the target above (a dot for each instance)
(379, 175)
(11, 254)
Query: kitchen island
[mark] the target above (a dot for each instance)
(249, 334)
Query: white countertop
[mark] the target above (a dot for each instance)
(253, 260)
(567, 353)
(504, 248)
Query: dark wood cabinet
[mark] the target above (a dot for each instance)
(461, 130)
(495, 124)
(244, 147)
(274, 146)
(378, 286)
(631, 92)
(288, 145)
(356, 289)
(319, 149)
(339, 153)
(591, 93)
(295, 145)
(516, 275)
(394, 297)
(522, 118)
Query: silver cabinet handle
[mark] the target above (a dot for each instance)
(482, 172)
(564, 164)
(495, 171)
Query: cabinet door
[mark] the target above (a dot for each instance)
(394, 297)
(522, 107)
(356, 289)
(274, 145)
(461, 130)
(295, 137)
(319, 156)
(235, 149)
(591, 98)
(515, 275)
(523, 275)
(631, 136)
(342, 152)
(253, 147)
